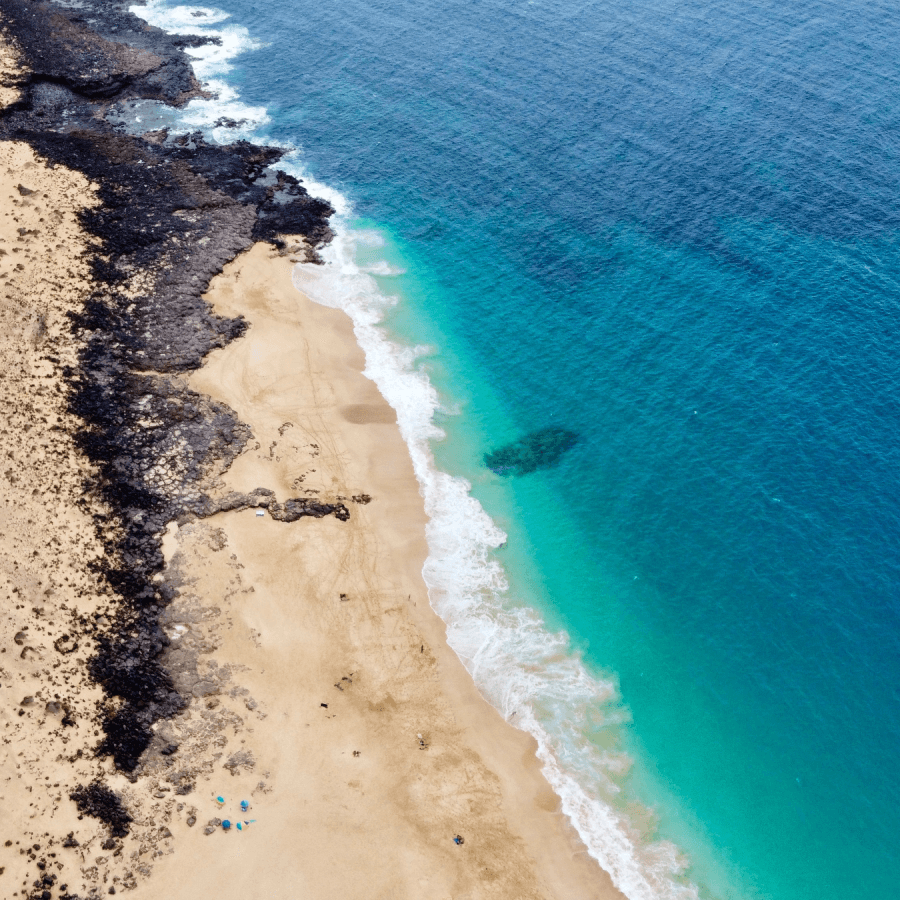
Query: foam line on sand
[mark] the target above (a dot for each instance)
(357, 736)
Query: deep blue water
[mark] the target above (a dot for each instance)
(673, 229)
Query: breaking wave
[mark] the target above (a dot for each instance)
(531, 675)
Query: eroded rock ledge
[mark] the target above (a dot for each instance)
(172, 211)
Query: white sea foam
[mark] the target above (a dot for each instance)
(384, 269)
(368, 237)
(530, 674)
(211, 63)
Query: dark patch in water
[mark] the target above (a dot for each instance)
(542, 449)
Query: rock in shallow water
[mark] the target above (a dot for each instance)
(541, 449)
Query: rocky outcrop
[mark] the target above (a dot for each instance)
(100, 50)
(173, 210)
(99, 801)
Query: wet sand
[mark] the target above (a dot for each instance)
(340, 712)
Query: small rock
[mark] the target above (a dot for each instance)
(243, 759)
(65, 644)
(191, 821)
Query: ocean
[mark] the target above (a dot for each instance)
(671, 232)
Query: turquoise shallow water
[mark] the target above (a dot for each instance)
(673, 231)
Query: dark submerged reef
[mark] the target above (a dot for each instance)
(172, 212)
(540, 449)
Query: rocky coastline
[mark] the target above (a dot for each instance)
(171, 211)
(212, 538)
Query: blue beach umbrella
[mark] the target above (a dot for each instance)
(226, 824)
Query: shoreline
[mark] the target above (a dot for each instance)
(378, 657)
(152, 661)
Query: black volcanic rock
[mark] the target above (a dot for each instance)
(101, 50)
(262, 498)
(172, 211)
(98, 801)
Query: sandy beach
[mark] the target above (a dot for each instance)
(212, 540)
(363, 746)
(321, 687)
(47, 541)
